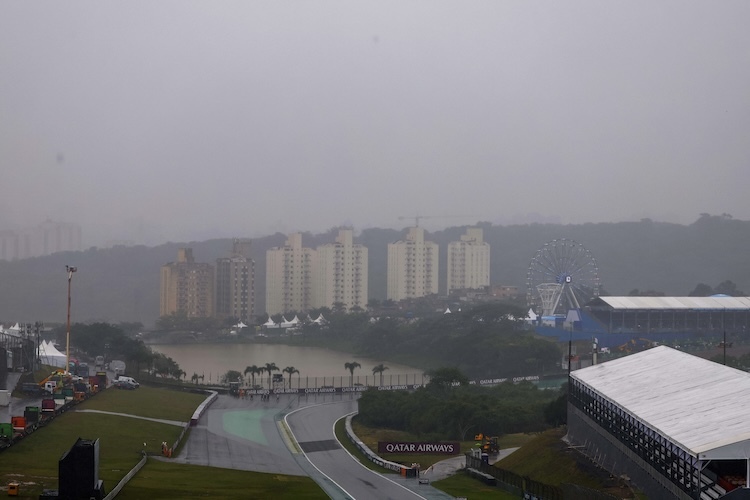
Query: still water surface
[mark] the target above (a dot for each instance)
(214, 360)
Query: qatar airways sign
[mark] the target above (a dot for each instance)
(427, 448)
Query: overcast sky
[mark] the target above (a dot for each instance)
(150, 121)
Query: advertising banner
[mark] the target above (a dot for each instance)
(451, 448)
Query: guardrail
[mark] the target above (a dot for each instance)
(373, 457)
(112, 494)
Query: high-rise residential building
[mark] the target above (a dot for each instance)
(235, 284)
(45, 239)
(341, 273)
(289, 277)
(412, 267)
(469, 261)
(187, 286)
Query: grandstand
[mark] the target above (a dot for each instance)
(677, 425)
(670, 314)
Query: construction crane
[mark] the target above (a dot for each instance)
(418, 217)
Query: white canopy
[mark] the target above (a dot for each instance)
(699, 405)
(270, 323)
(49, 355)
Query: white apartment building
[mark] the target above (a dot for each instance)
(45, 239)
(341, 273)
(289, 277)
(469, 261)
(412, 267)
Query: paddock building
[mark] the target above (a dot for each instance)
(677, 425)
(647, 315)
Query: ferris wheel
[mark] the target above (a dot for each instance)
(562, 275)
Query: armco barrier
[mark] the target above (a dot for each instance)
(112, 494)
(401, 469)
(202, 407)
(196, 416)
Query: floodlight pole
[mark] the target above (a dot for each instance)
(70, 271)
(570, 349)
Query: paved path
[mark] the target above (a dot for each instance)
(159, 420)
(246, 434)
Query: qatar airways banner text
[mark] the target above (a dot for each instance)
(431, 448)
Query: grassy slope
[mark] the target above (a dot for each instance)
(169, 480)
(547, 459)
(147, 402)
(33, 462)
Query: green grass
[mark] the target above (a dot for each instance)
(34, 460)
(169, 480)
(147, 402)
(370, 436)
(340, 431)
(547, 459)
(461, 485)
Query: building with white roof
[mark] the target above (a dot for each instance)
(676, 424)
(659, 314)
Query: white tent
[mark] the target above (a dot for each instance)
(531, 317)
(49, 355)
(270, 323)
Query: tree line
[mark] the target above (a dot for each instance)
(449, 408)
(269, 368)
(118, 342)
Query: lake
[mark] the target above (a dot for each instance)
(317, 366)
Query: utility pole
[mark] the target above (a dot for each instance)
(70, 271)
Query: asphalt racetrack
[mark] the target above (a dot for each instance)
(251, 434)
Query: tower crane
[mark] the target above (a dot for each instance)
(417, 218)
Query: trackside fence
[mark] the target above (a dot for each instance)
(530, 489)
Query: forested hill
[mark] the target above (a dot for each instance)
(122, 283)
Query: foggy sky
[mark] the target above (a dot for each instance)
(175, 120)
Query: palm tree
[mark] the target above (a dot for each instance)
(291, 371)
(379, 369)
(351, 367)
(194, 378)
(270, 367)
(253, 371)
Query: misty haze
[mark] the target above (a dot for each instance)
(161, 121)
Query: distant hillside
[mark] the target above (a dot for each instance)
(122, 283)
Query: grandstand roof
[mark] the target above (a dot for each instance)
(702, 406)
(715, 303)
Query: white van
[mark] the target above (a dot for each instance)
(129, 380)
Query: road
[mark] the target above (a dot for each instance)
(236, 433)
(252, 435)
(312, 427)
